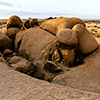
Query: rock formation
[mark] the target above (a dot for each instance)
(13, 26)
(50, 50)
(54, 25)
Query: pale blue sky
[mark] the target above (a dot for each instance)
(84, 9)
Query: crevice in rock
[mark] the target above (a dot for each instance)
(19, 43)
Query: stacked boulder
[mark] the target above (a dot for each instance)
(67, 43)
(69, 37)
(56, 42)
(72, 38)
(13, 26)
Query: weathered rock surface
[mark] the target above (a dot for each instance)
(17, 86)
(67, 36)
(85, 77)
(29, 67)
(5, 42)
(87, 42)
(54, 25)
(34, 41)
(11, 32)
(17, 61)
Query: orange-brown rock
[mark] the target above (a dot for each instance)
(54, 25)
(33, 22)
(14, 21)
(68, 56)
(27, 24)
(67, 42)
(86, 41)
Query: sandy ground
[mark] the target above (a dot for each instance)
(2, 28)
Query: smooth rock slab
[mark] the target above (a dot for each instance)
(17, 86)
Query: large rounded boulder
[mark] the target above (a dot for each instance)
(14, 21)
(87, 42)
(54, 25)
(32, 42)
(5, 42)
(67, 36)
(11, 32)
